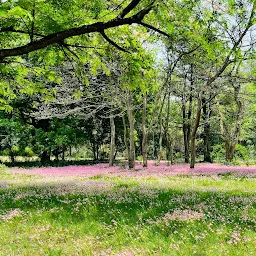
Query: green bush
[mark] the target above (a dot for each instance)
(6, 152)
(139, 158)
(15, 150)
(28, 152)
(242, 152)
(218, 152)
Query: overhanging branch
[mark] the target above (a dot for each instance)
(59, 37)
(12, 30)
(130, 7)
(155, 29)
(112, 42)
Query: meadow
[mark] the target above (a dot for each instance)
(117, 213)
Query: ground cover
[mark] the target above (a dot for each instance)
(158, 211)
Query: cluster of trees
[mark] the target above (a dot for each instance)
(152, 79)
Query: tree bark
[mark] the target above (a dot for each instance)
(207, 144)
(193, 134)
(12, 156)
(45, 157)
(167, 134)
(44, 124)
(131, 159)
(125, 138)
(94, 149)
(63, 153)
(206, 135)
(186, 117)
(185, 134)
(97, 151)
(160, 152)
(230, 150)
(112, 141)
(189, 120)
(153, 145)
(144, 132)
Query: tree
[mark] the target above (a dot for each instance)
(231, 116)
(112, 141)
(14, 136)
(39, 33)
(234, 53)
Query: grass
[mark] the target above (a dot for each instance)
(180, 215)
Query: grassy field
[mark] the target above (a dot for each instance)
(179, 215)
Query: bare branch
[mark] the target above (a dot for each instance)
(228, 61)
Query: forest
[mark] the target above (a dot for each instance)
(159, 80)
(128, 127)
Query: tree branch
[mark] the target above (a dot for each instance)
(128, 8)
(59, 37)
(228, 61)
(12, 30)
(33, 23)
(112, 42)
(82, 46)
(155, 29)
(72, 52)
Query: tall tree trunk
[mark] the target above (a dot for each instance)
(63, 153)
(230, 150)
(206, 136)
(167, 134)
(112, 141)
(12, 156)
(56, 156)
(153, 145)
(186, 117)
(160, 152)
(171, 151)
(168, 148)
(125, 138)
(97, 151)
(115, 153)
(207, 144)
(131, 160)
(94, 149)
(144, 132)
(44, 124)
(189, 120)
(45, 156)
(185, 133)
(193, 134)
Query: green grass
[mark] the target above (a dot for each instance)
(182, 215)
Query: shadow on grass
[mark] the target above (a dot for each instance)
(110, 204)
